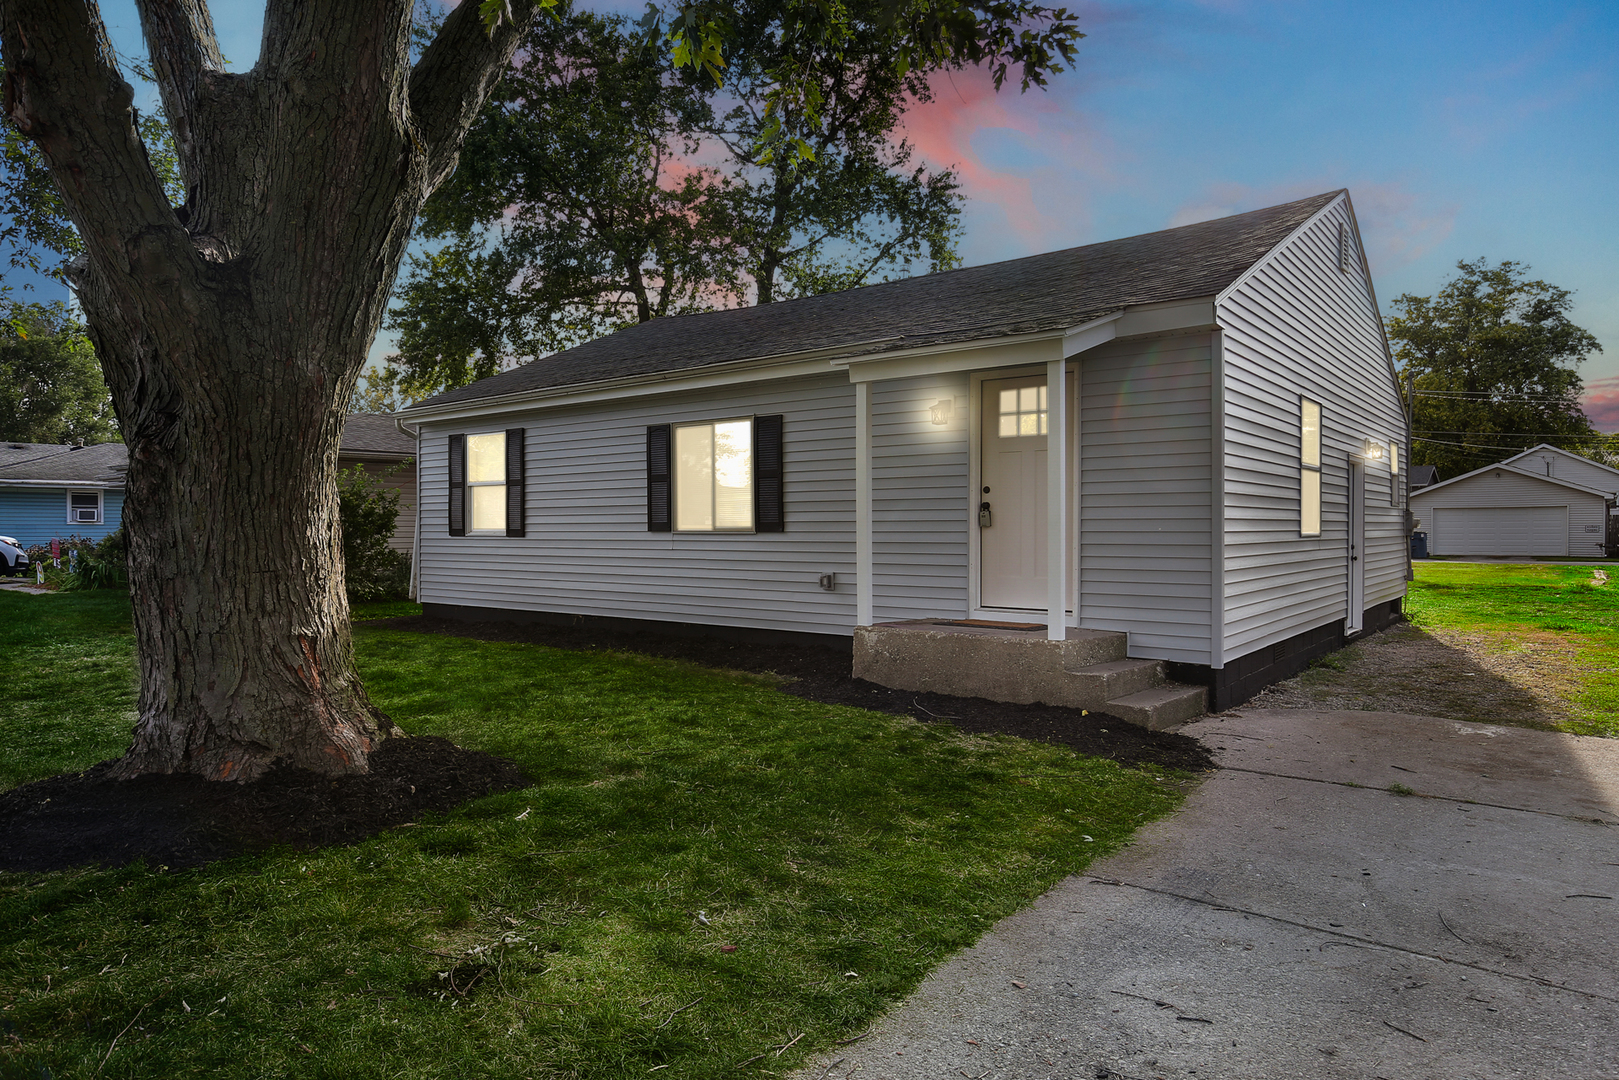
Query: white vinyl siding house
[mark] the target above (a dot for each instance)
(1297, 325)
(1144, 480)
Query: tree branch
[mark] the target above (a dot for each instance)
(64, 91)
(180, 38)
(455, 75)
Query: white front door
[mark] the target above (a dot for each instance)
(1012, 496)
(1357, 546)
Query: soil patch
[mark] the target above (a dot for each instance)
(1523, 678)
(182, 821)
(822, 673)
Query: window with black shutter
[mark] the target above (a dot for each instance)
(768, 504)
(458, 485)
(514, 482)
(658, 489)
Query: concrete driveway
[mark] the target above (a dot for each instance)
(1299, 919)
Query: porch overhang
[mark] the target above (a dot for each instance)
(1052, 350)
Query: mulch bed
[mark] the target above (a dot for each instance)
(183, 821)
(79, 819)
(822, 673)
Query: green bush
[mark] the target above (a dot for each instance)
(369, 511)
(56, 576)
(104, 565)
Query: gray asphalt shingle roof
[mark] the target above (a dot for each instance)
(368, 433)
(1042, 292)
(103, 463)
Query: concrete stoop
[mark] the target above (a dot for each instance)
(1086, 670)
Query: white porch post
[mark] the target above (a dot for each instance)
(864, 591)
(1057, 499)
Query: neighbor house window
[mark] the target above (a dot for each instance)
(84, 507)
(486, 484)
(715, 476)
(1309, 467)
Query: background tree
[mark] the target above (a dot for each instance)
(1493, 359)
(580, 207)
(232, 329)
(378, 392)
(572, 213)
(850, 208)
(51, 390)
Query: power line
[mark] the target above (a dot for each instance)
(1489, 395)
(1512, 434)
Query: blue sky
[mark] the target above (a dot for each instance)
(1462, 130)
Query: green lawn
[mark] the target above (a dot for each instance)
(704, 870)
(1530, 597)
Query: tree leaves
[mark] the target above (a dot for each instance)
(1493, 357)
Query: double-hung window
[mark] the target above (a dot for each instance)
(1309, 467)
(486, 484)
(715, 476)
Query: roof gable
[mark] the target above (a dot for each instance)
(1056, 290)
(1579, 459)
(1542, 477)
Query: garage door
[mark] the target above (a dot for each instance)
(1503, 530)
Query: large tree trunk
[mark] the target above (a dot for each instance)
(232, 332)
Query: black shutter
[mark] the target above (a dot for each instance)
(658, 517)
(768, 501)
(458, 485)
(514, 482)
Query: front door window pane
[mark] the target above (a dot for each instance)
(1023, 412)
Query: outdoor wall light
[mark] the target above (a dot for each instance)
(943, 411)
(1372, 451)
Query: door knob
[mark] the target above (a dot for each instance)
(983, 515)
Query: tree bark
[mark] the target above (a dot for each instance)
(232, 335)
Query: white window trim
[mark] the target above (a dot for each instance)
(471, 483)
(674, 476)
(101, 508)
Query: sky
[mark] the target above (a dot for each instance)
(1462, 131)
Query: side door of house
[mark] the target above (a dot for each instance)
(1357, 548)
(1012, 499)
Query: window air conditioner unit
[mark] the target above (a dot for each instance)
(83, 514)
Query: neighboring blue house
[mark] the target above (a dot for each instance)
(48, 491)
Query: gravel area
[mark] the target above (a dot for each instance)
(1498, 677)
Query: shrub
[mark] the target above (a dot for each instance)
(104, 565)
(57, 576)
(369, 511)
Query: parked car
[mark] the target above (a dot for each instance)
(13, 559)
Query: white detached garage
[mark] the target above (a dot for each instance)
(1543, 503)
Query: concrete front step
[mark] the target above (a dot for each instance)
(977, 661)
(1118, 678)
(1162, 707)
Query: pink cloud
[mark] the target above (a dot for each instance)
(1602, 403)
(1399, 225)
(1016, 151)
